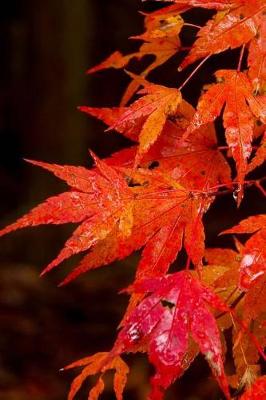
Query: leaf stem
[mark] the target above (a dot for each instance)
(193, 72)
(192, 25)
(241, 58)
(228, 147)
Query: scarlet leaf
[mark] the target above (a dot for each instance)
(153, 197)
(162, 208)
(176, 307)
(241, 107)
(160, 213)
(196, 162)
(252, 265)
(157, 103)
(103, 201)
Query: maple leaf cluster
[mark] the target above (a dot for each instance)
(153, 196)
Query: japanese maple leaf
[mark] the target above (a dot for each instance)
(165, 211)
(99, 199)
(164, 215)
(195, 163)
(241, 107)
(253, 263)
(157, 103)
(99, 363)
(244, 269)
(257, 59)
(144, 119)
(104, 204)
(234, 27)
(176, 307)
(165, 218)
(161, 216)
(246, 356)
(257, 391)
(217, 5)
(222, 269)
(248, 349)
(129, 129)
(222, 273)
(160, 40)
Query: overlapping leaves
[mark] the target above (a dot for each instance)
(253, 263)
(240, 275)
(160, 40)
(153, 196)
(236, 24)
(241, 110)
(123, 211)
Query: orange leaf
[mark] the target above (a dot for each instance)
(160, 40)
(241, 108)
(238, 24)
(99, 363)
(257, 391)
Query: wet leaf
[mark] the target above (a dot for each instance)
(165, 330)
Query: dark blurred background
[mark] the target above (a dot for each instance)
(46, 47)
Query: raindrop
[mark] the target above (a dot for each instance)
(235, 193)
(134, 334)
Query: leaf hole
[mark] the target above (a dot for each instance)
(131, 182)
(153, 165)
(167, 303)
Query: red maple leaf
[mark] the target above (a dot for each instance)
(237, 25)
(253, 263)
(196, 163)
(241, 110)
(153, 197)
(160, 39)
(100, 199)
(157, 103)
(153, 228)
(122, 212)
(224, 272)
(175, 308)
(217, 4)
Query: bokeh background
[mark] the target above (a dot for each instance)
(46, 47)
